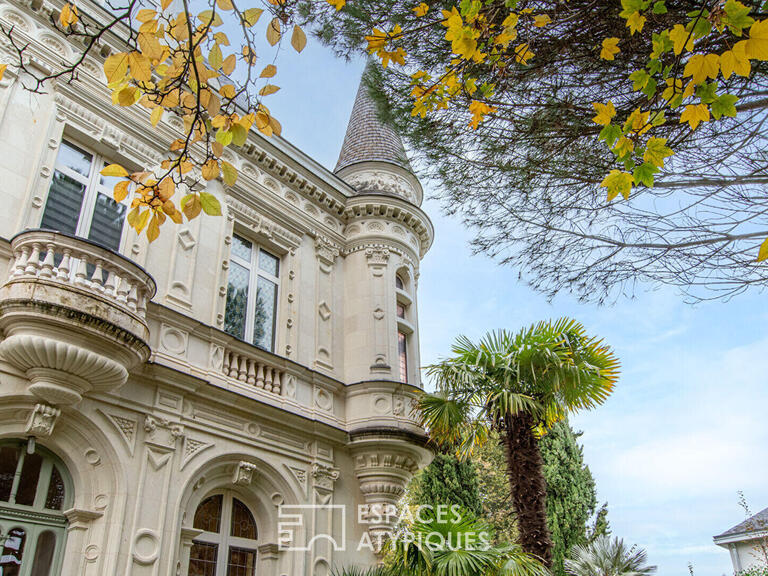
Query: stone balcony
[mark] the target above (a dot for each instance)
(73, 315)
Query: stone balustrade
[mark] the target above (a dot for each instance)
(73, 316)
(78, 263)
(252, 371)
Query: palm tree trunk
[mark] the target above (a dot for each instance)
(527, 485)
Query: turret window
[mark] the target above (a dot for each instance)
(80, 200)
(252, 294)
(402, 353)
(403, 301)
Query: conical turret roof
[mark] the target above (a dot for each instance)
(367, 138)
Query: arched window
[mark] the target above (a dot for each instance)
(402, 307)
(227, 546)
(34, 492)
(399, 284)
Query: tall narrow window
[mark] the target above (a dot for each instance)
(254, 278)
(228, 543)
(80, 200)
(402, 353)
(34, 491)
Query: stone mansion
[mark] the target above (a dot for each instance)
(234, 399)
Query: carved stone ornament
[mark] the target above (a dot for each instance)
(41, 420)
(326, 251)
(245, 473)
(377, 256)
(324, 476)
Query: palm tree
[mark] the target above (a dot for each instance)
(608, 557)
(449, 545)
(519, 385)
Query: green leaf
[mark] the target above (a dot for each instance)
(617, 183)
(643, 174)
(229, 172)
(610, 134)
(239, 134)
(707, 92)
(211, 205)
(650, 88)
(737, 16)
(639, 79)
(659, 7)
(224, 137)
(724, 105)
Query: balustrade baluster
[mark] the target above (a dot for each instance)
(268, 378)
(277, 384)
(81, 276)
(132, 297)
(21, 261)
(62, 272)
(260, 376)
(225, 362)
(122, 290)
(46, 268)
(251, 372)
(111, 283)
(242, 369)
(33, 263)
(97, 278)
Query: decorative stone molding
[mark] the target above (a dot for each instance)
(326, 251)
(324, 476)
(161, 432)
(42, 419)
(245, 473)
(261, 225)
(378, 256)
(381, 182)
(384, 464)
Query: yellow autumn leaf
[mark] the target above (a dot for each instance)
(479, 111)
(695, 114)
(141, 69)
(116, 67)
(68, 15)
(681, 38)
(268, 89)
(618, 182)
(763, 252)
(228, 66)
(636, 22)
(735, 61)
(251, 16)
(610, 48)
(120, 190)
(146, 14)
(338, 4)
(298, 38)
(273, 32)
(421, 10)
(541, 20)
(523, 53)
(623, 146)
(757, 45)
(156, 116)
(210, 169)
(229, 173)
(165, 3)
(153, 230)
(114, 170)
(702, 66)
(225, 4)
(605, 113)
(128, 96)
(227, 91)
(269, 71)
(2, 70)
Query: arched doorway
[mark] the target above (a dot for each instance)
(35, 489)
(228, 543)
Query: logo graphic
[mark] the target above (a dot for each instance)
(295, 522)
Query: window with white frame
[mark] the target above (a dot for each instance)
(228, 543)
(402, 306)
(80, 199)
(252, 291)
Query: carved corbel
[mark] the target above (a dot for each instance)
(245, 473)
(42, 420)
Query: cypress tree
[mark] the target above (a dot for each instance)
(447, 480)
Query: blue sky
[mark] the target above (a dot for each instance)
(685, 429)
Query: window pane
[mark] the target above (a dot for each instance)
(208, 514)
(54, 500)
(242, 562)
(9, 459)
(402, 348)
(399, 283)
(202, 559)
(243, 524)
(107, 222)
(46, 546)
(74, 158)
(241, 248)
(264, 314)
(65, 199)
(30, 474)
(237, 300)
(270, 264)
(400, 311)
(12, 552)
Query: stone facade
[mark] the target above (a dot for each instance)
(119, 381)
